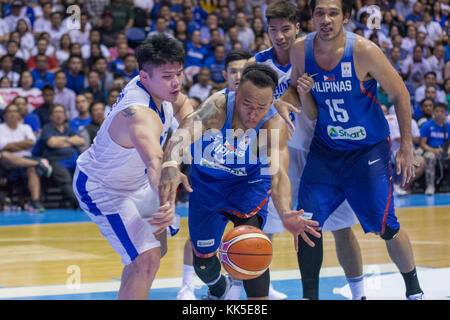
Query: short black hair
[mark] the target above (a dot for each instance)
(260, 75)
(236, 55)
(347, 6)
(158, 50)
(440, 105)
(48, 87)
(425, 100)
(283, 9)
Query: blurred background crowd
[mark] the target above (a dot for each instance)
(63, 64)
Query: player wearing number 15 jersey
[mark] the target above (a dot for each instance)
(337, 73)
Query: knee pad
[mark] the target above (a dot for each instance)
(207, 269)
(389, 233)
(258, 287)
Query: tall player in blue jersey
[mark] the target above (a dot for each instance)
(349, 154)
(283, 28)
(231, 178)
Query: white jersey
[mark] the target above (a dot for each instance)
(304, 131)
(112, 165)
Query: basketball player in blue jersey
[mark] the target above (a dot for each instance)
(116, 179)
(283, 29)
(234, 65)
(234, 172)
(349, 154)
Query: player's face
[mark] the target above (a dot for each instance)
(252, 103)
(282, 33)
(165, 81)
(234, 73)
(328, 19)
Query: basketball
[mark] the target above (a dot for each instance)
(245, 252)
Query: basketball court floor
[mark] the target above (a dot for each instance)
(61, 255)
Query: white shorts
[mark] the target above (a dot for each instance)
(121, 217)
(342, 217)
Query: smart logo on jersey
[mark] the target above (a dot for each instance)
(346, 68)
(329, 77)
(339, 133)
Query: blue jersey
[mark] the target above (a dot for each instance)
(350, 116)
(434, 133)
(218, 156)
(267, 57)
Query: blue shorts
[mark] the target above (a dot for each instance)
(213, 203)
(362, 176)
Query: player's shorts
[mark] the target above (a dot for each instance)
(362, 176)
(342, 217)
(212, 203)
(120, 216)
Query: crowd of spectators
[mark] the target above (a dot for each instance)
(64, 62)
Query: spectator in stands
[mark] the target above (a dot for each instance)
(415, 68)
(12, 19)
(75, 77)
(43, 23)
(106, 77)
(114, 51)
(161, 28)
(231, 39)
(60, 147)
(18, 139)
(431, 28)
(43, 111)
(433, 135)
(94, 37)
(202, 88)
(130, 70)
(119, 63)
(64, 95)
(394, 59)
(217, 65)
(259, 31)
(41, 76)
(63, 52)
(21, 53)
(6, 70)
(447, 93)
(426, 111)
(93, 87)
(226, 21)
(28, 118)
(212, 22)
(5, 83)
(409, 41)
(51, 50)
(112, 98)
(181, 32)
(19, 64)
(246, 36)
(83, 118)
(28, 89)
(196, 53)
(437, 64)
(416, 16)
(97, 112)
(122, 14)
(106, 29)
(430, 80)
(42, 48)
(57, 29)
(26, 37)
(438, 14)
(404, 8)
(81, 35)
(95, 8)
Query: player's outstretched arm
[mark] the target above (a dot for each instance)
(281, 186)
(211, 114)
(182, 107)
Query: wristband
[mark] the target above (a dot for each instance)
(171, 163)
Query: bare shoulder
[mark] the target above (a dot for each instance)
(276, 122)
(365, 49)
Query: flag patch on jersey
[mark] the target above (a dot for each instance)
(329, 77)
(346, 68)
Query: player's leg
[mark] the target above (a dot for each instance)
(131, 236)
(347, 247)
(206, 227)
(371, 197)
(186, 291)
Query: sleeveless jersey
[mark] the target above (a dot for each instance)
(112, 165)
(301, 137)
(219, 156)
(350, 116)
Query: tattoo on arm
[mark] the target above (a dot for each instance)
(129, 112)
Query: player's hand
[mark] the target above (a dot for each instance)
(298, 226)
(163, 217)
(284, 109)
(171, 178)
(304, 84)
(404, 160)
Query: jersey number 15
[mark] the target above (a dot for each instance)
(337, 113)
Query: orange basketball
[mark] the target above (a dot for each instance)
(245, 252)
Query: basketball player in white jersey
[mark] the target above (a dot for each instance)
(116, 180)
(283, 29)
